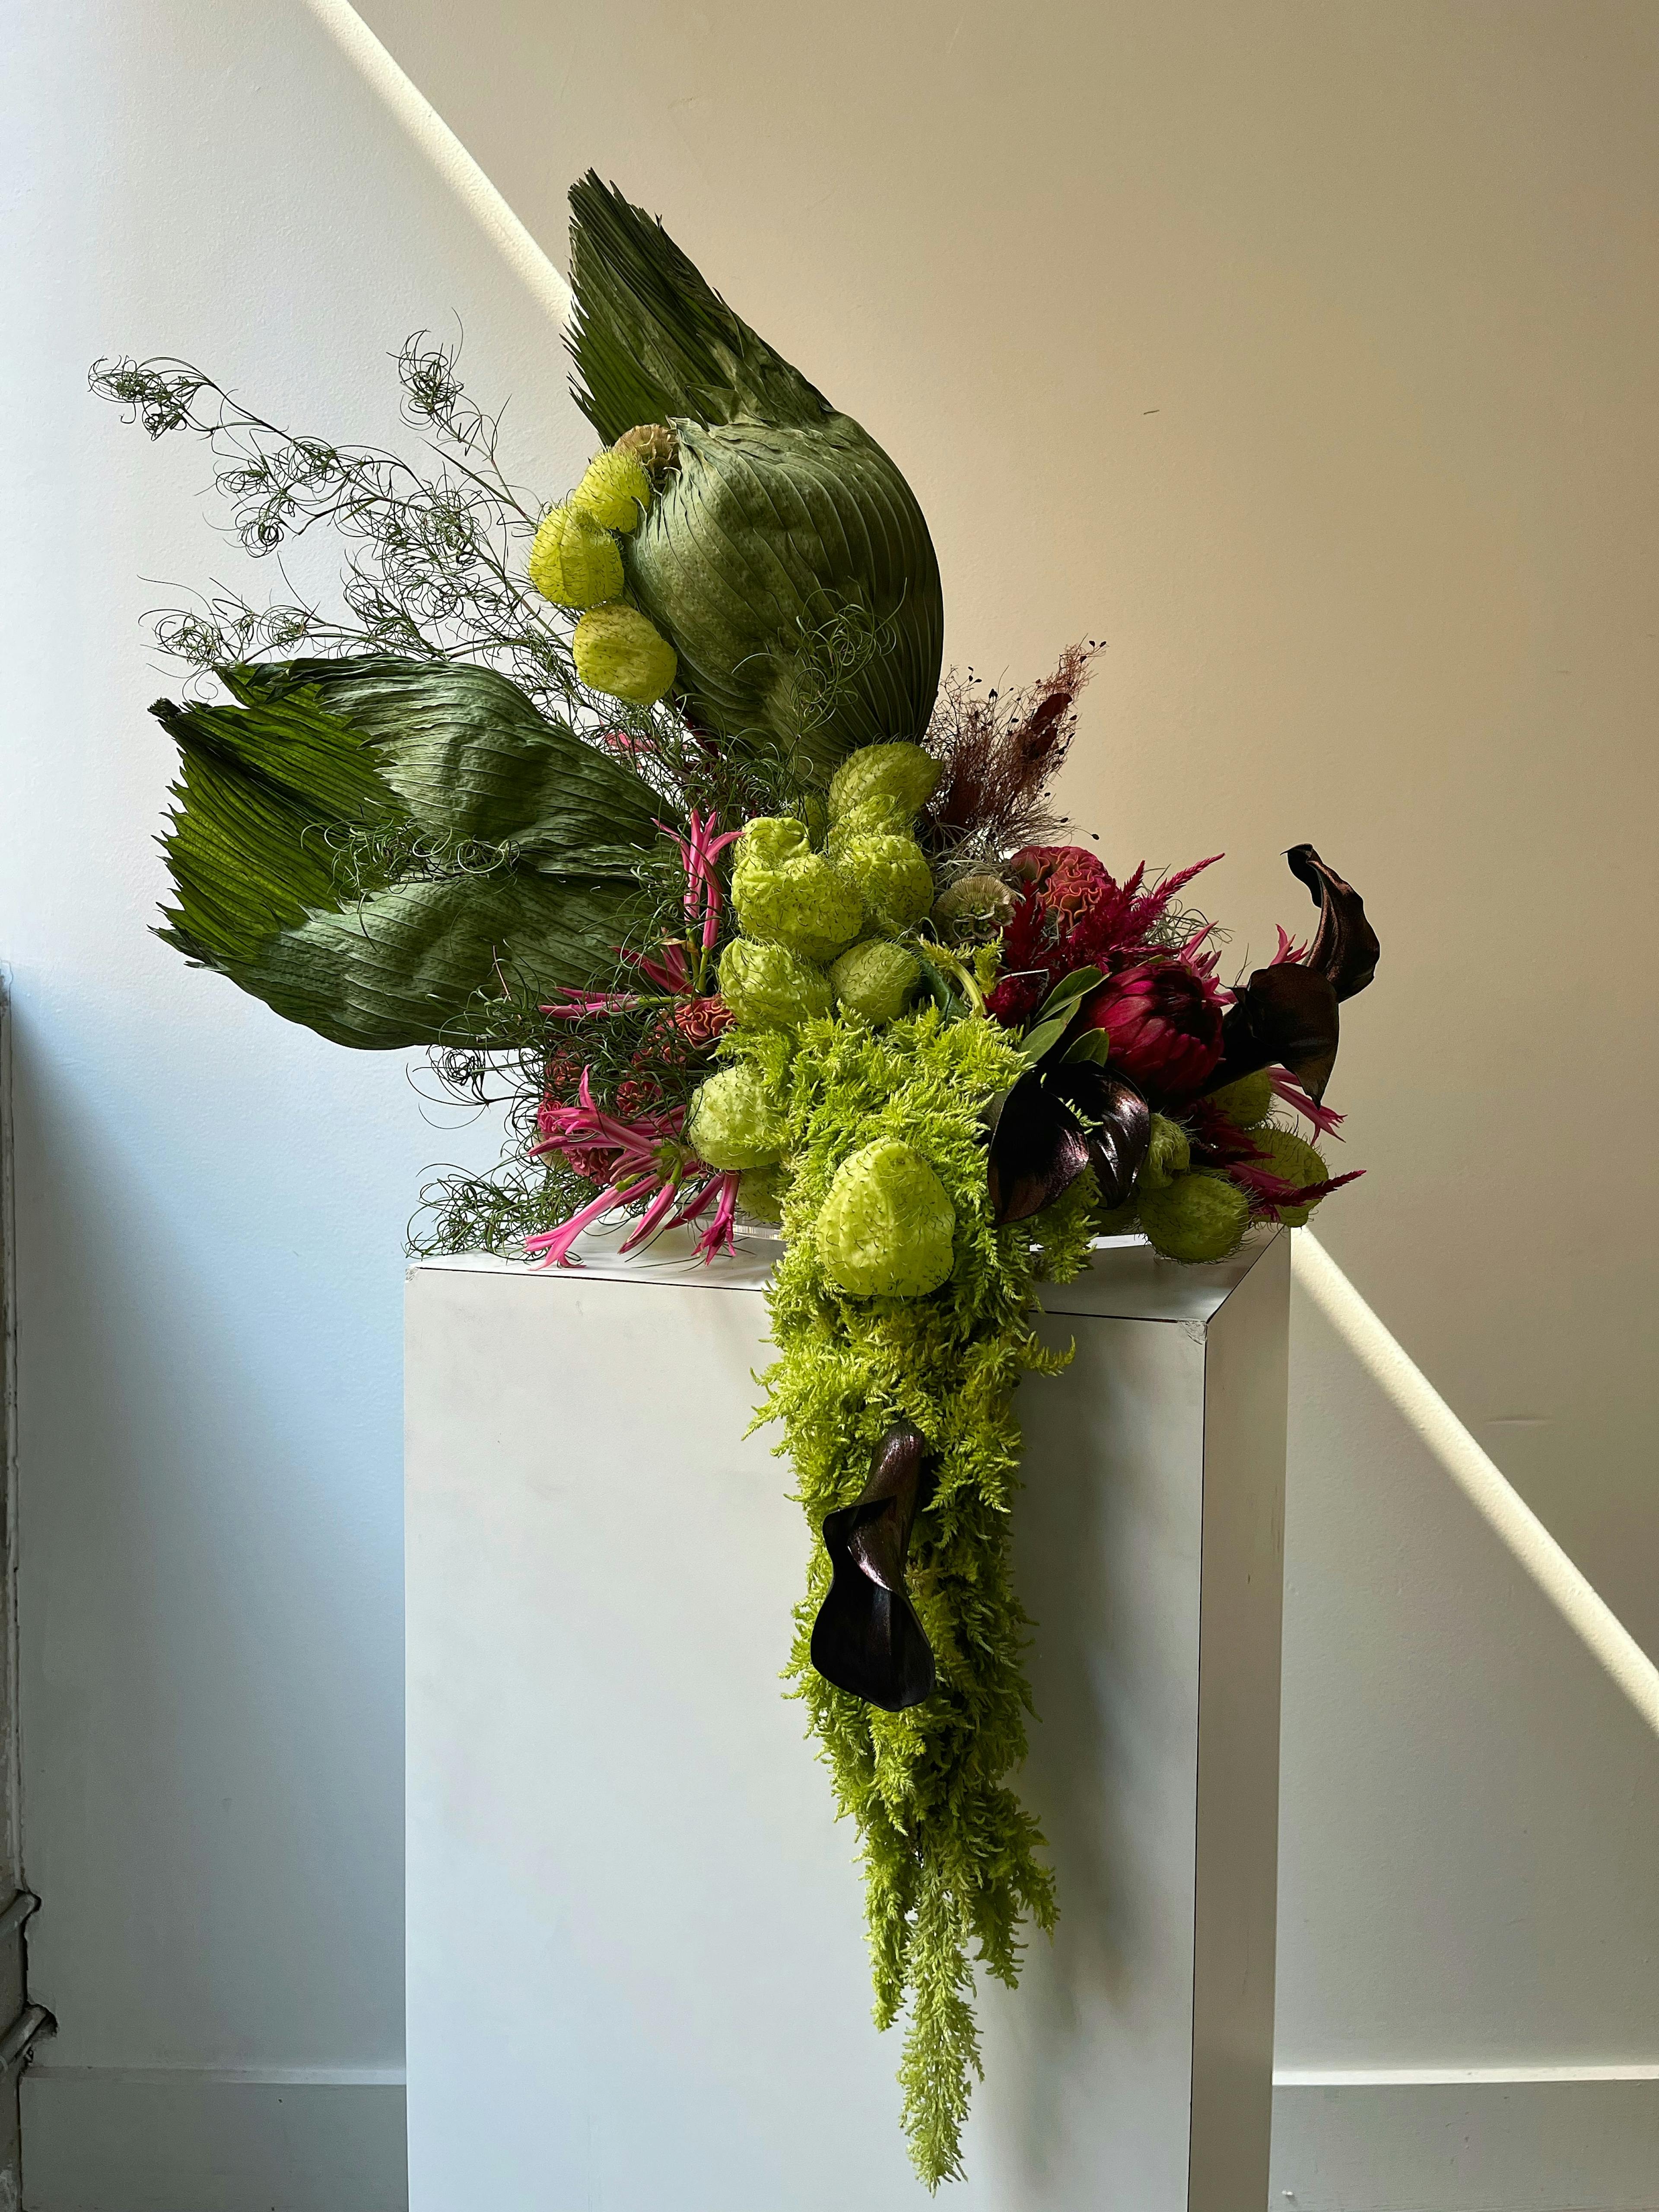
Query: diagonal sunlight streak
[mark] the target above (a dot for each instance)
(437, 143)
(1585, 1611)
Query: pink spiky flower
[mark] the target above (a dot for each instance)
(646, 1158)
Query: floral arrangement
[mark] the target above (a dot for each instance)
(650, 815)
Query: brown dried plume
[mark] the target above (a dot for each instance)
(1001, 750)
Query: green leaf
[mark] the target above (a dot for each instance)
(470, 757)
(1070, 991)
(1038, 1042)
(1094, 1047)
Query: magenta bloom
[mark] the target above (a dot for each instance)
(1073, 914)
(1164, 1018)
(644, 1158)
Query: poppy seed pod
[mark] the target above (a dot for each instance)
(734, 1121)
(877, 979)
(575, 561)
(615, 490)
(766, 988)
(887, 1226)
(1199, 1216)
(621, 654)
(653, 445)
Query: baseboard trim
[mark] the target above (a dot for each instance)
(1520, 2139)
(213, 2139)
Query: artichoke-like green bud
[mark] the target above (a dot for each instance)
(1168, 1155)
(734, 1121)
(872, 818)
(1199, 1217)
(615, 490)
(575, 561)
(893, 875)
(973, 904)
(1116, 1220)
(766, 988)
(902, 774)
(1248, 1101)
(877, 979)
(619, 651)
(1291, 1157)
(760, 1193)
(653, 445)
(887, 1226)
(786, 894)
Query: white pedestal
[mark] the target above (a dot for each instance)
(636, 1970)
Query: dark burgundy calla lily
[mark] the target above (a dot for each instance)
(866, 1638)
(1345, 947)
(1286, 1015)
(1056, 1122)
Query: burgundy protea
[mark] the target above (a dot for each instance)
(1164, 1018)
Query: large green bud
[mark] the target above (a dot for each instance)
(734, 1121)
(786, 894)
(1199, 1217)
(785, 557)
(877, 979)
(892, 875)
(903, 776)
(1291, 1157)
(887, 1227)
(1246, 1103)
(766, 988)
(1168, 1154)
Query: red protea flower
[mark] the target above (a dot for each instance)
(1164, 1018)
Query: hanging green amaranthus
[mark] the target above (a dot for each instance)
(951, 1860)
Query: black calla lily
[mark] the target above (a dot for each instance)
(1286, 1015)
(1057, 1121)
(866, 1638)
(1117, 1123)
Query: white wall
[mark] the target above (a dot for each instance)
(1304, 353)
(211, 1203)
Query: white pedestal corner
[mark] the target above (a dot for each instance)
(636, 1968)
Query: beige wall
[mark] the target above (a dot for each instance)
(1305, 354)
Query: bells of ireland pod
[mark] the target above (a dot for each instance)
(887, 1227)
(1199, 1217)
(892, 875)
(1297, 1162)
(784, 893)
(901, 775)
(575, 561)
(784, 557)
(766, 988)
(734, 1121)
(619, 653)
(877, 979)
(615, 490)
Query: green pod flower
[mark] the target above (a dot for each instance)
(893, 876)
(784, 893)
(575, 561)
(734, 1121)
(1199, 1217)
(870, 817)
(901, 775)
(760, 1193)
(619, 653)
(1168, 1155)
(887, 1227)
(877, 979)
(1293, 1158)
(615, 490)
(766, 988)
(1246, 1103)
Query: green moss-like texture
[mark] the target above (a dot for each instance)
(952, 1859)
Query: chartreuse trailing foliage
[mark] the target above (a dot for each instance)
(951, 1860)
